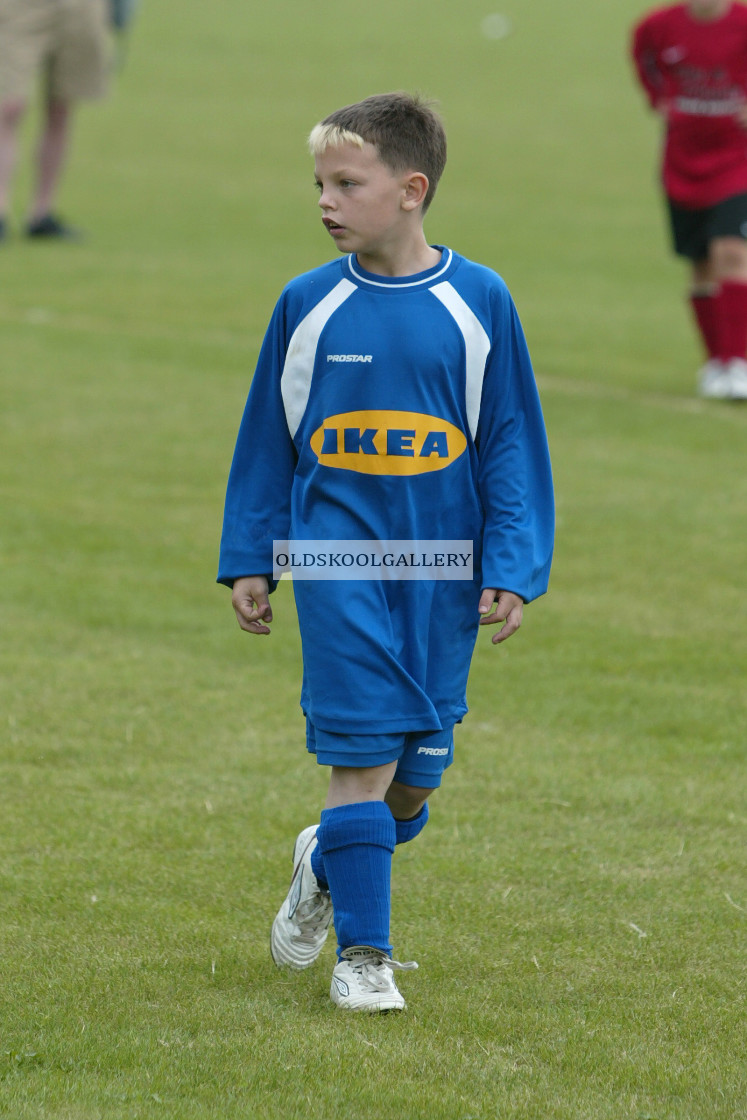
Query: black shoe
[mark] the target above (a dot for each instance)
(50, 226)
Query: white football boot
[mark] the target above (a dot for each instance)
(302, 922)
(363, 980)
(736, 372)
(714, 382)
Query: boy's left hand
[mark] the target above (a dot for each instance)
(501, 606)
(250, 601)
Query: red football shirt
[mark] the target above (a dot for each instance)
(698, 71)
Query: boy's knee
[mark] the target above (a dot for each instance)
(58, 113)
(729, 258)
(406, 802)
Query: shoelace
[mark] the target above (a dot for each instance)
(373, 976)
(376, 976)
(370, 964)
(312, 917)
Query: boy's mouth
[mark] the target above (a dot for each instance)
(332, 226)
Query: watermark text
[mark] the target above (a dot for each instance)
(393, 560)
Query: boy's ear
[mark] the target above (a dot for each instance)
(415, 189)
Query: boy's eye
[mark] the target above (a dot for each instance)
(343, 184)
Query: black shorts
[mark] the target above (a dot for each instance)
(694, 230)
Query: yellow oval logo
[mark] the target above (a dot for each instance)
(386, 441)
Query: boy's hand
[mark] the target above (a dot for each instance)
(501, 606)
(251, 601)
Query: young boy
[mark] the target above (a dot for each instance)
(691, 59)
(393, 400)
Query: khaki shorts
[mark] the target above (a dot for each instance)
(67, 41)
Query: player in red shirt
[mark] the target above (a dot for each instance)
(691, 59)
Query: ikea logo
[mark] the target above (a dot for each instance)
(387, 441)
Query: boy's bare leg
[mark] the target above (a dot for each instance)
(350, 785)
(53, 147)
(728, 260)
(405, 802)
(11, 114)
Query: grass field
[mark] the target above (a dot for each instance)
(578, 904)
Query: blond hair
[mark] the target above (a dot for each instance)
(404, 128)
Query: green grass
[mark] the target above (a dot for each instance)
(578, 902)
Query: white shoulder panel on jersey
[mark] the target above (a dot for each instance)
(298, 370)
(476, 343)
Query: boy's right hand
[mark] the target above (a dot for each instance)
(251, 602)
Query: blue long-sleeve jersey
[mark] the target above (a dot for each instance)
(400, 408)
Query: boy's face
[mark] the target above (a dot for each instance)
(364, 204)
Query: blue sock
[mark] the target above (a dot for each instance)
(356, 844)
(408, 830)
(405, 831)
(317, 866)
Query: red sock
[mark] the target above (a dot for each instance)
(704, 309)
(731, 317)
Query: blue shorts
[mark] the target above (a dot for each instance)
(422, 756)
